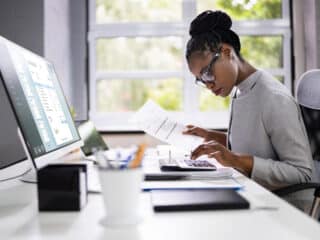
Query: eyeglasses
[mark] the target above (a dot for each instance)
(206, 75)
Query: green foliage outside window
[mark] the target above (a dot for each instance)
(109, 11)
(244, 9)
(141, 53)
(165, 54)
(129, 95)
(262, 51)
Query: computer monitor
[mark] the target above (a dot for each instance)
(45, 122)
(13, 159)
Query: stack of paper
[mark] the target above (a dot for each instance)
(187, 184)
(151, 166)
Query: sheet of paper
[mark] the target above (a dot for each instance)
(155, 121)
(192, 184)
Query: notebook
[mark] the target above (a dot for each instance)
(196, 200)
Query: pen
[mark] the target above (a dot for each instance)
(136, 162)
(126, 161)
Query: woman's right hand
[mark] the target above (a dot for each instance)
(197, 131)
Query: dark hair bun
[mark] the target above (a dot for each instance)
(209, 21)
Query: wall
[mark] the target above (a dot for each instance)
(57, 41)
(55, 29)
(65, 45)
(306, 35)
(78, 47)
(22, 23)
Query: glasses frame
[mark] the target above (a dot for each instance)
(205, 74)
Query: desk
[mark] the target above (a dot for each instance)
(24, 221)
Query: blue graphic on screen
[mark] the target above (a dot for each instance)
(45, 100)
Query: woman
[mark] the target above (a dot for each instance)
(266, 140)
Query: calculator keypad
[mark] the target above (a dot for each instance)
(198, 163)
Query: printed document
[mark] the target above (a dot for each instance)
(155, 121)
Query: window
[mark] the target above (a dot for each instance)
(136, 52)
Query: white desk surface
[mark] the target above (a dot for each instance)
(23, 221)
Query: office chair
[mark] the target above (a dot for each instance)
(308, 97)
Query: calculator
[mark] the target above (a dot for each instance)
(186, 165)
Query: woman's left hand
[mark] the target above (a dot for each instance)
(216, 150)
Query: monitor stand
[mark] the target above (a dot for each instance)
(30, 177)
(14, 192)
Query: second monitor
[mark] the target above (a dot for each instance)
(46, 125)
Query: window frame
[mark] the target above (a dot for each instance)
(117, 121)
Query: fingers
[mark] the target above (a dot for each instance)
(205, 149)
(191, 130)
(222, 157)
(216, 155)
(196, 131)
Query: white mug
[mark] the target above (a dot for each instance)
(121, 190)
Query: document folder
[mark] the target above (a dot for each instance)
(196, 200)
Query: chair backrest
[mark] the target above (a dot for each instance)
(308, 97)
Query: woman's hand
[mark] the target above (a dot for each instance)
(207, 135)
(243, 163)
(197, 131)
(217, 151)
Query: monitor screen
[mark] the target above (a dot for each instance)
(37, 98)
(11, 149)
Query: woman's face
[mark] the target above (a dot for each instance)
(224, 70)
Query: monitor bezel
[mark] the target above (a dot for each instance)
(52, 155)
